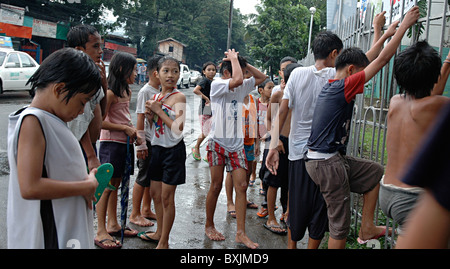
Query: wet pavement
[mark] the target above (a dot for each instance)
(188, 228)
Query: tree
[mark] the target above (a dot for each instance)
(280, 29)
(200, 24)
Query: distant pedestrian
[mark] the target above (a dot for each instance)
(50, 193)
(203, 90)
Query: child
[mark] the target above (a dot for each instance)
(226, 146)
(410, 117)
(203, 89)
(50, 193)
(266, 138)
(113, 144)
(265, 91)
(87, 126)
(167, 168)
(251, 147)
(141, 190)
(335, 173)
(273, 182)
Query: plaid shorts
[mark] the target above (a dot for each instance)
(217, 155)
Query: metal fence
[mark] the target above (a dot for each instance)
(369, 125)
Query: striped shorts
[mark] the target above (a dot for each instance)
(217, 155)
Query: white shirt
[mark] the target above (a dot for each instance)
(63, 161)
(302, 90)
(226, 105)
(80, 124)
(145, 93)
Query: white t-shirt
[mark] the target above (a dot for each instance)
(145, 93)
(226, 105)
(80, 124)
(302, 90)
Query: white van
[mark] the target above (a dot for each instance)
(185, 77)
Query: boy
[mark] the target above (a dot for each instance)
(335, 173)
(226, 146)
(50, 193)
(307, 207)
(141, 190)
(86, 127)
(410, 117)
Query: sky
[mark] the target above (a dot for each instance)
(246, 6)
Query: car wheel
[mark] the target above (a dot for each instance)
(187, 85)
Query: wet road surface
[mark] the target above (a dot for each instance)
(188, 228)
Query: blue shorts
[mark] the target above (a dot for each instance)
(250, 152)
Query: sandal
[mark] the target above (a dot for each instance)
(195, 155)
(146, 237)
(100, 244)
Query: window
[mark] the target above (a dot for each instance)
(26, 61)
(171, 48)
(14, 58)
(2, 57)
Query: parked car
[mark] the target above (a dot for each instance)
(185, 77)
(195, 77)
(16, 68)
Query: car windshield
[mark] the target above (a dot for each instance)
(2, 57)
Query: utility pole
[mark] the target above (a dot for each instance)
(230, 25)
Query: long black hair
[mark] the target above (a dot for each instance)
(72, 67)
(120, 69)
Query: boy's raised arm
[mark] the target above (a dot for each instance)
(390, 49)
(237, 78)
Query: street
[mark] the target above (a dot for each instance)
(188, 228)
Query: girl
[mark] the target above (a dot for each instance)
(113, 144)
(166, 114)
(50, 193)
(203, 89)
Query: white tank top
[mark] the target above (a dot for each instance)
(161, 134)
(72, 219)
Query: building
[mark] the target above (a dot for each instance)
(113, 43)
(172, 48)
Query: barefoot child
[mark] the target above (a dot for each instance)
(113, 144)
(167, 168)
(335, 173)
(203, 90)
(141, 189)
(226, 146)
(50, 193)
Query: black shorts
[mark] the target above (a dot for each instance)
(281, 179)
(142, 178)
(168, 164)
(307, 208)
(116, 154)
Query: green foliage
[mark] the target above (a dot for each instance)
(200, 24)
(281, 29)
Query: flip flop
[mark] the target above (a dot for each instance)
(272, 229)
(104, 174)
(362, 242)
(100, 244)
(252, 205)
(119, 232)
(147, 238)
(195, 155)
(232, 213)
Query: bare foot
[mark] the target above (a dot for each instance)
(373, 233)
(106, 240)
(213, 234)
(150, 215)
(141, 221)
(243, 238)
